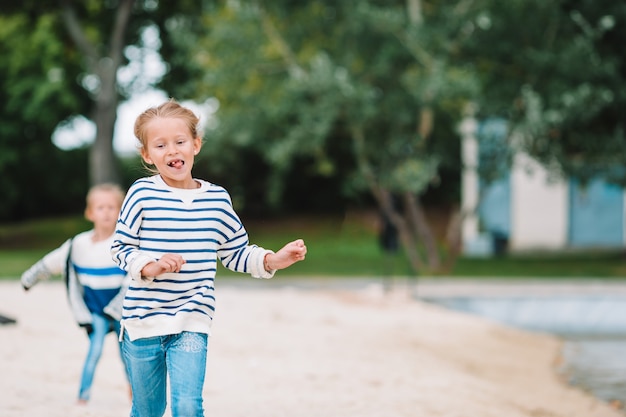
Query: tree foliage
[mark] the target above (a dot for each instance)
(331, 99)
(91, 40)
(370, 81)
(561, 84)
(383, 84)
(61, 60)
(37, 89)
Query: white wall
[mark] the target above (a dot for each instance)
(539, 207)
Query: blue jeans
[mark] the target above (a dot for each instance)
(101, 326)
(151, 360)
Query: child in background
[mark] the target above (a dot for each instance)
(95, 285)
(172, 230)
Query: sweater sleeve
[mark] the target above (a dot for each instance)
(125, 249)
(237, 254)
(53, 263)
(258, 265)
(126, 253)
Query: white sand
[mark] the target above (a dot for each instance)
(302, 353)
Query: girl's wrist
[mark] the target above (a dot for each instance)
(266, 262)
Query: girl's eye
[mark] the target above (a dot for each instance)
(180, 142)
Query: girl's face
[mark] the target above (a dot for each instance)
(171, 148)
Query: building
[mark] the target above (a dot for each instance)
(528, 210)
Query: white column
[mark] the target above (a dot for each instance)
(469, 181)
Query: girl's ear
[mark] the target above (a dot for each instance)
(197, 145)
(145, 156)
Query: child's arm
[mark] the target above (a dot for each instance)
(51, 264)
(289, 254)
(34, 274)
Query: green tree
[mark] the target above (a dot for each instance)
(561, 85)
(37, 89)
(103, 55)
(382, 80)
(390, 81)
(91, 40)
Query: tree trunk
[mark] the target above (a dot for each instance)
(399, 221)
(102, 159)
(417, 219)
(384, 199)
(453, 239)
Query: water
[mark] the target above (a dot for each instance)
(573, 314)
(592, 326)
(597, 364)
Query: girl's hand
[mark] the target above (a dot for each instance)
(168, 263)
(288, 255)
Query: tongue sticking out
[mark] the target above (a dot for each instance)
(176, 164)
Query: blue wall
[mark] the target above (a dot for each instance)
(596, 215)
(596, 212)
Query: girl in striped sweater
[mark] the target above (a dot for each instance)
(171, 232)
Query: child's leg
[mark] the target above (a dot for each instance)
(100, 326)
(186, 364)
(117, 329)
(145, 362)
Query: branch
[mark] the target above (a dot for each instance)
(119, 29)
(462, 8)
(283, 48)
(414, 10)
(412, 46)
(358, 142)
(77, 34)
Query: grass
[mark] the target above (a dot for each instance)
(597, 264)
(338, 247)
(40, 234)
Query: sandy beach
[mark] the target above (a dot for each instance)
(283, 351)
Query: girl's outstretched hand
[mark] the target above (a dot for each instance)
(288, 255)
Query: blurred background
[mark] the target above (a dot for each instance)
(414, 139)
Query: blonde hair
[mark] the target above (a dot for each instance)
(168, 109)
(106, 187)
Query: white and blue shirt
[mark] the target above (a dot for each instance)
(94, 280)
(100, 277)
(200, 225)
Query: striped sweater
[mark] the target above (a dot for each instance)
(199, 224)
